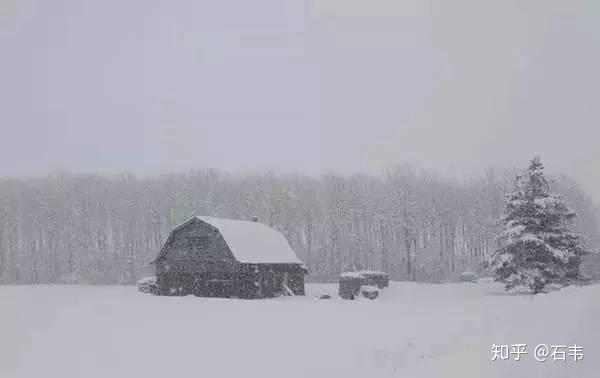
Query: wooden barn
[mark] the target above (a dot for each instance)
(214, 257)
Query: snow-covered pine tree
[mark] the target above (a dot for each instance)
(537, 246)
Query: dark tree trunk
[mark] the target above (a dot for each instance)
(407, 244)
(309, 237)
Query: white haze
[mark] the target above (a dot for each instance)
(299, 86)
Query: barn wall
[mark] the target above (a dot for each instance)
(266, 280)
(183, 256)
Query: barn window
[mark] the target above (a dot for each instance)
(199, 243)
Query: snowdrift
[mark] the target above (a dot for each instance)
(411, 330)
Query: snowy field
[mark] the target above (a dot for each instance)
(413, 330)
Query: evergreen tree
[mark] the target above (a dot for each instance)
(537, 246)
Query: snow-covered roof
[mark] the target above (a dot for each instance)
(252, 242)
(372, 272)
(362, 273)
(147, 280)
(351, 275)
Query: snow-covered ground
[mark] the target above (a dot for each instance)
(412, 330)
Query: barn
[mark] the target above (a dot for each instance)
(215, 257)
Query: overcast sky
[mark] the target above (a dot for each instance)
(155, 86)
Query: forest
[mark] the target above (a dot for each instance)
(412, 223)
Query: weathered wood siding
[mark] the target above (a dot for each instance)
(267, 280)
(187, 253)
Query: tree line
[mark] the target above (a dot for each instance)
(414, 224)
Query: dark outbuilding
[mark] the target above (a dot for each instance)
(215, 257)
(351, 283)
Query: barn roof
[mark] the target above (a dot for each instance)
(250, 242)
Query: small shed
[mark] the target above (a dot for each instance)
(216, 257)
(350, 283)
